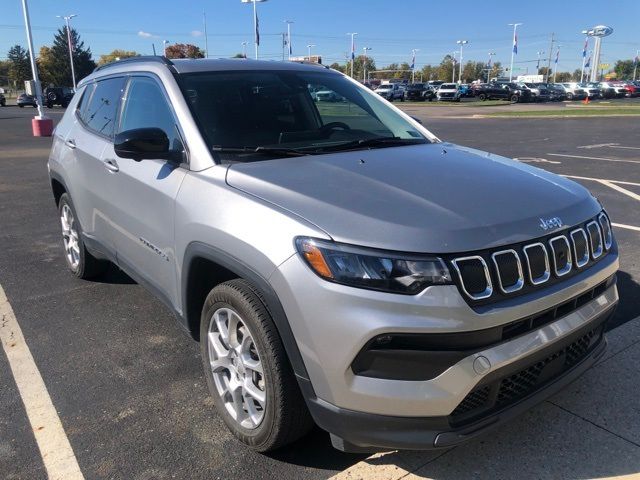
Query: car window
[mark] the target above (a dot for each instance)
(84, 101)
(145, 106)
(315, 111)
(102, 109)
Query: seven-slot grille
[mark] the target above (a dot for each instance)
(486, 275)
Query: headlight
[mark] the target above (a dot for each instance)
(372, 269)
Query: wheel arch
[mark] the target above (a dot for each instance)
(204, 267)
(58, 186)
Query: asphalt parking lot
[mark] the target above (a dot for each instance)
(126, 381)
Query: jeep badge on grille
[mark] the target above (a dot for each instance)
(550, 223)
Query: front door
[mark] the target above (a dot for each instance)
(146, 191)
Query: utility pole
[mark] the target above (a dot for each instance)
(462, 43)
(244, 49)
(206, 39)
(514, 49)
(635, 65)
(164, 45)
(284, 43)
(67, 19)
(255, 23)
(555, 64)
(310, 46)
(364, 64)
(353, 50)
(413, 64)
(546, 76)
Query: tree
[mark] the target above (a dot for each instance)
(496, 70)
(563, 77)
(239, 55)
(19, 68)
(543, 71)
(184, 50)
(428, 72)
(53, 62)
(474, 71)
(623, 69)
(359, 63)
(577, 73)
(4, 72)
(116, 55)
(337, 66)
(445, 69)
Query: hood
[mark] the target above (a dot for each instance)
(417, 198)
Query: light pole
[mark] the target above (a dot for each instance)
(540, 52)
(67, 18)
(635, 65)
(206, 38)
(491, 54)
(244, 49)
(353, 50)
(364, 64)
(309, 47)
(164, 46)
(462, 43)
(255, 23)
(41, 125)
(413, 64)
(289, 44)
(514, 50)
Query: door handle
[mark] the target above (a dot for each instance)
(111, 165)
(70, 143)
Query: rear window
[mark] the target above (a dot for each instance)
(100, 113)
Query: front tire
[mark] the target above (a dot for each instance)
(248, 373)
(81, 263)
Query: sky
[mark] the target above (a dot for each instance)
(391, 28)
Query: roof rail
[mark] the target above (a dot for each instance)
(307, 62)
(140, 58)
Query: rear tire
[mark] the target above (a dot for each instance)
(482, 97)
(81, 263)
(514, 98)
(248, 373)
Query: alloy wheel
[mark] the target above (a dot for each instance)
(237, 369)
(70, 237)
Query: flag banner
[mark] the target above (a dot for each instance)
(557, 56)
(588, 62)
(353, 49)
(584, 50)
(515, 43)
(413, 61)
(289, 43)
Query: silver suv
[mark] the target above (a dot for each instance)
(338, 263)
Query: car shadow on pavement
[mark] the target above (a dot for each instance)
(314, 450)
(629, 306)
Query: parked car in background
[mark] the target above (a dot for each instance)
(390, 91)
(326, 96)
(611, 90)
(3, 100)
(592, 91)
(449, 92)
(573, 91)
(632, 89)
(57, 96)
(502, 91)
(556, 93)
(539, 93)
(417, 92)
(26, 100)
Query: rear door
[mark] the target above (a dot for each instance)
(144, 203)
(91, 181)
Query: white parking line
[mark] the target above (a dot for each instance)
(621, 182)
(628, 227)
(55, 449)
(594, 158)
(628, 193)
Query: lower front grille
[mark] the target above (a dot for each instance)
(505, 391)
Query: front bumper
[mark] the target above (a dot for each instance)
(353, 431)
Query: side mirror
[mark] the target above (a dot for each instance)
(145, 143)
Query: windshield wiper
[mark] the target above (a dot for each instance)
(285, 152)
(374, 142)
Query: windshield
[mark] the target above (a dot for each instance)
(416, 86)
(387, 86)
(448, 86)
(248, 116)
